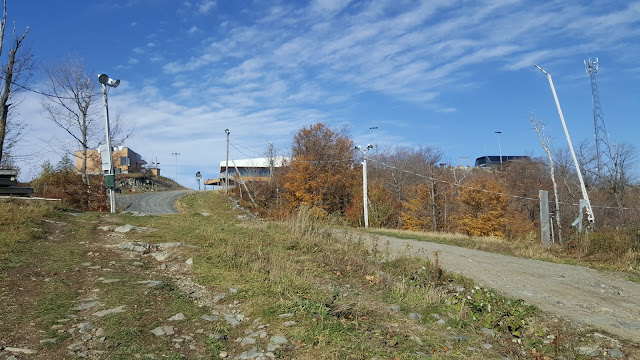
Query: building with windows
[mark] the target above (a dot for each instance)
(125, 161)
(248, 170)
(495, 161)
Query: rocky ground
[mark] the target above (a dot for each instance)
(113, 261)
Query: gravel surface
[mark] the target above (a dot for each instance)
(161, 202)
(603, 300)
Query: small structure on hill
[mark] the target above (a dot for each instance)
(125, 161)
(248, 170)
(496, 161)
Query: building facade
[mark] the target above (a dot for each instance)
(125, 161)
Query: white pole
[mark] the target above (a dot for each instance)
(585, 195)
(226, 168)
(364, 190)
(112, 193)
(499, 147)
(365, 198)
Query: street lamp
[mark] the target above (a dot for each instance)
(176, 155)
(110, 177)
(226, 168)
(499, 147)
(364, 183)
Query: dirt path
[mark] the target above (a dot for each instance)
(602, 300)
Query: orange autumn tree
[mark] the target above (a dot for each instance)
(417, 211)
(483, 211)
(321, 173)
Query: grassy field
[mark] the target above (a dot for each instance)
(330, 297)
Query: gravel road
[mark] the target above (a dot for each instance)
(160, 202)
(602, 300)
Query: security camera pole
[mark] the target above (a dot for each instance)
(109, 177)
(365, 198)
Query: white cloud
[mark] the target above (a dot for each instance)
(193, 29)
(205, 6)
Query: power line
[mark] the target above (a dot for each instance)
(491, 192)
(95, 94)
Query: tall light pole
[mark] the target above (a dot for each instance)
(365, 198)
(176, 155)
(110, 177)
(373, 129)
(499, 147)
(226, 168)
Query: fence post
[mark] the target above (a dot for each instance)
(545, 232)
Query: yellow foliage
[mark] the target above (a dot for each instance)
(484, 208)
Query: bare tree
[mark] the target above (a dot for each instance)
(72, 108)
(75, 108)
(10, 72)
(546, 142)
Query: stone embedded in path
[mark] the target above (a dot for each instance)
(77, 347)
(189, 261)
(84, 327)
(289, 323)
(137, 246)
(219, 297)
(168, 245)
(161, 256)
(151, 283)
(163, 330)
(86, 306)
(49, 341)
(20, 350)
(231, 319)
(415, 316)
(116, 310)
(107, 227)
(177, 317)
(247, 341)
(279, 339)
(209, 317)
(124, 228)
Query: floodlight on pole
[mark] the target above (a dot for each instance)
(226, 167)
(499, 147)
(176, 155)
(373, 129)
(105, 80)
(364, 183)
(585, 195)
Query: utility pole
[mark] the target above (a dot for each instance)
(364, 183)
(226, 168)
(585, 195)
(271, 161)
(176, 155)
(499, 148)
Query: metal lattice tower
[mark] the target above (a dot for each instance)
(600, 131)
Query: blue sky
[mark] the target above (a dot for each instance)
(441, 73)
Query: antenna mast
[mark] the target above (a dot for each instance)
(600, 131)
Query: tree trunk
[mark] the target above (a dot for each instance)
(6, 91)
